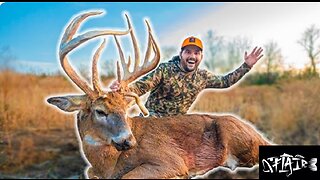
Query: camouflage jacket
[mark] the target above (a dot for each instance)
(173, 90)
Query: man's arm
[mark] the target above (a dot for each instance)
(147, 82)
(228, 80)
(231, 78)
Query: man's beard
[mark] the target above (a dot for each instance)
(191, 64)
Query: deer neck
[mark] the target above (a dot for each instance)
(102, 158)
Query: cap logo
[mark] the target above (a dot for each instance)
(192, 39)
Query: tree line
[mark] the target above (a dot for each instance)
(223, 55)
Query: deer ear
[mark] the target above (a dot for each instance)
(69, 103)
(130, 101)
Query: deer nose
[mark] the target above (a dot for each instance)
(125, 144)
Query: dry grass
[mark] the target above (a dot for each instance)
(23, 109)
(22, 101)
(288, 113)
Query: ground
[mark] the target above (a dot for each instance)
(38, 154)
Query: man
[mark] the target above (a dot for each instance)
(175, 85)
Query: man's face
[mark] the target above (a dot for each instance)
(191, 57)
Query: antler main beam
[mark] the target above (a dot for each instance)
(68, 43)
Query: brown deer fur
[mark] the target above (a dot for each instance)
(177, 146)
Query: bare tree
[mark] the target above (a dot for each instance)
(84, 71)
(273, 58)
(214, 45)
(6, 57)
(235, 51)
(310, 42)
(108, 67)
(168, 52)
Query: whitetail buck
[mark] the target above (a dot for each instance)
(119, 146)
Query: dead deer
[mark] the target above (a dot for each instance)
(118, 146)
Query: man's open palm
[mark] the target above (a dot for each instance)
(253, 57)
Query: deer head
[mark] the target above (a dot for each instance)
(102, 117)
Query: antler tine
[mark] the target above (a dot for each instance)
(95, 78)
(74, 25)
(118, 72)
(148, 52)
(68, 43)
(147, 65)
(123, 63)
(135, 45)
(138, 101)
(138, 71)
(156, 49)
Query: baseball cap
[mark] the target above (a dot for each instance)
(192, 41)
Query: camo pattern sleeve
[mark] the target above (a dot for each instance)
(147, 82)
(228, 80)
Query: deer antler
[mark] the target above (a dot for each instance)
(147, 66)
(138, 71)
(95, 77)
(138, 102)
(68, 43)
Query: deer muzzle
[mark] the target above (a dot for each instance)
(124, 141)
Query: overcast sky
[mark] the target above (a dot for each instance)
(32, 31)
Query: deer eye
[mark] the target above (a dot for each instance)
(100, 112)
